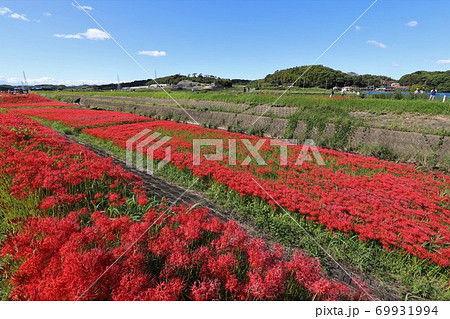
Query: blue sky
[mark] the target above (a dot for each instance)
(55, 42)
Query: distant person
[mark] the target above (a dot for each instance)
(416, 92)
(358, 93)
(421, 91)
(332, 93)
(245, 89)
(432, 94)
(343, 92)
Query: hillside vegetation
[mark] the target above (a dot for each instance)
(324, 77)
(437, 79)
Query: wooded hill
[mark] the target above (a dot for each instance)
(440, 80)
(323, 77)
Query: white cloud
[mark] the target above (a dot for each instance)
(89, 8)
(69, 36)
(377, 44)
(153, 53)
(14, 15)
(47, 14)
(95, 34)
(18, 16)
(90, 34)
(443, 61)
(357, 28)
(412, 24)
(41, 80)
(395, 65)
(4, 10)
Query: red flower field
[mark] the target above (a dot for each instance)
(392, 203)
(37, 160)
(83, 117)
(186, 256)
(27, 100)
(52, 253)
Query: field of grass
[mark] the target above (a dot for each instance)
(320, 104)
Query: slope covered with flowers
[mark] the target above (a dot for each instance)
(26, 100)
(392, 203)
(77, 118)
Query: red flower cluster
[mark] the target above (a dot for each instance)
(21, 100)
(40, 161)
(391, 203)
(82, 117)
(185, 255)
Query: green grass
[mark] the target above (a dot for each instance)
(11, 210)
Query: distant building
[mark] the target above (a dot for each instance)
(397, 86)
(158, 86)
(216, 85)
(186, 84)
(385, 89)
(135, 87)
